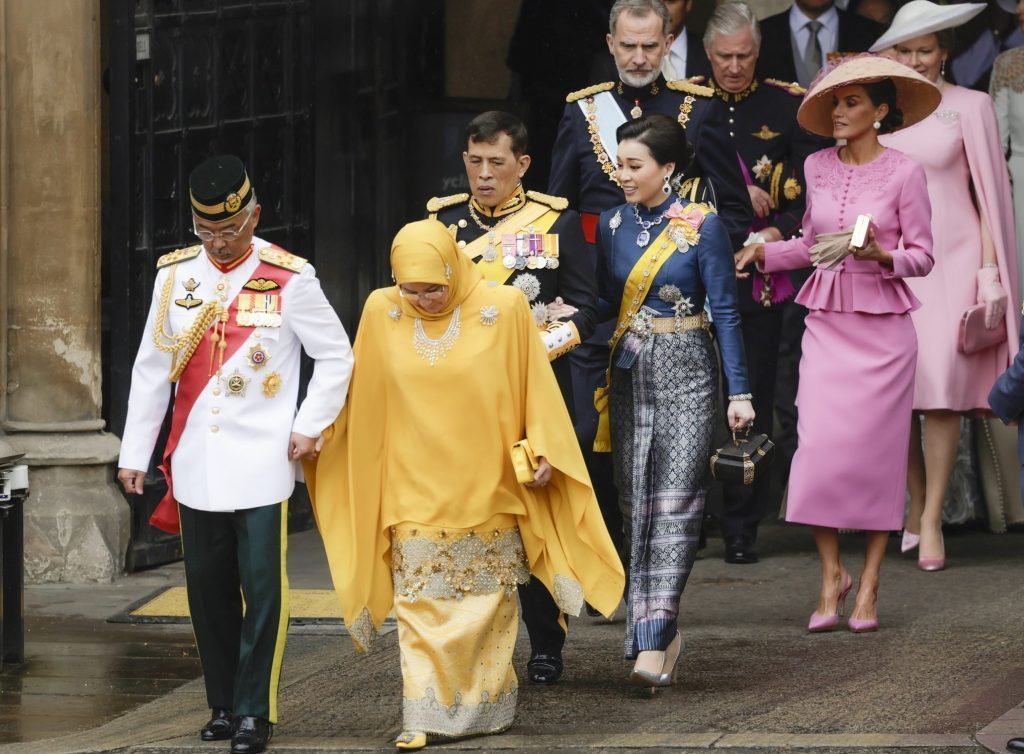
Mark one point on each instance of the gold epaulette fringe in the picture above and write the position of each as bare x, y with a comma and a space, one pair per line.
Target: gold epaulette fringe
173, 257
589, 91
555, 202
438, 203
790, 87
683, 85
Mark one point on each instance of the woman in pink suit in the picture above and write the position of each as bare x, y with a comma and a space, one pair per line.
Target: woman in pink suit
859, 348
975, 262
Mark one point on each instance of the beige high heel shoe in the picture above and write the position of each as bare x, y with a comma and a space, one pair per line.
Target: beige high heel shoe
669, 669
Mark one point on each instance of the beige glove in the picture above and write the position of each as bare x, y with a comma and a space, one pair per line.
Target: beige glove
830, 249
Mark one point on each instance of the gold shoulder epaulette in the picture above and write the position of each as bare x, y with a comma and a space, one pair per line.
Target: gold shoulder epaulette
790, 87
683, 85
555, 202
438, 203
283, 259
173, 257
589, 91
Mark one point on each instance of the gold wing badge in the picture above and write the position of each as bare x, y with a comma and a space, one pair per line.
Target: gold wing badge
189, 301
766, 134
261, 285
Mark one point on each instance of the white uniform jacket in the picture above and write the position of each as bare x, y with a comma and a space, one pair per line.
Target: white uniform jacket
233, 451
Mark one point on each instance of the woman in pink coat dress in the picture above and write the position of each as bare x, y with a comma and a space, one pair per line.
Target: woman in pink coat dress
859, 349
975, 262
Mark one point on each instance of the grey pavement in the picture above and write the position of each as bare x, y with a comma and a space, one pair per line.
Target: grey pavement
944, 674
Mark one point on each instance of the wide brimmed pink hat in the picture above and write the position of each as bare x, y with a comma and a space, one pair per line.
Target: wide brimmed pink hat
916, 96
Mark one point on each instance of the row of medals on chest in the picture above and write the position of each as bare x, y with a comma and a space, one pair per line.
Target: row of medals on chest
519, 251
261, 308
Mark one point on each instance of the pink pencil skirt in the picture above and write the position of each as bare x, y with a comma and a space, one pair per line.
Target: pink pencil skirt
855, 399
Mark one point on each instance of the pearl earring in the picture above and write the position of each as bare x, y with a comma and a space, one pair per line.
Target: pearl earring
877, 125
667, 188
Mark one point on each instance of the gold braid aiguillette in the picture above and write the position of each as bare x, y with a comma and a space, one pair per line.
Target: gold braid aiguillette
183, 345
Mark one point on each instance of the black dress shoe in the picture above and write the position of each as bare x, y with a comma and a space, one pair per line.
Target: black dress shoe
1015, 744
592, 611
544, 668
219, 727
738, 552
251, 735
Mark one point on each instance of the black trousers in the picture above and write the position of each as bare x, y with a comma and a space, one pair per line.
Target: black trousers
743, 506
231, 557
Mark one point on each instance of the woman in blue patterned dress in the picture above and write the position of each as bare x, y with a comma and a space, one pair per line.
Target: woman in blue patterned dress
659, 261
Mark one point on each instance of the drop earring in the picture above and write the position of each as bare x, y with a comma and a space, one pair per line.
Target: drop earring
667, 188
876, 125
942, 69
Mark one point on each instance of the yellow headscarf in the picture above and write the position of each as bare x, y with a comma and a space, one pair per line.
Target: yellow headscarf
425, 252
430, 443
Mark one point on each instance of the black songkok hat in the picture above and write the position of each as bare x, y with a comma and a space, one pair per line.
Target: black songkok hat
219, 188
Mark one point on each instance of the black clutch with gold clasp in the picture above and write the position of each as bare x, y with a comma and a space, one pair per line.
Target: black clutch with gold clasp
740, 461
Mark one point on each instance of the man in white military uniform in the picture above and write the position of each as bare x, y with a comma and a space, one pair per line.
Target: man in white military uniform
228, 322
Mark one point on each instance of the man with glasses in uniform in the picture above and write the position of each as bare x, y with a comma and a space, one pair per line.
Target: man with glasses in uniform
228, 322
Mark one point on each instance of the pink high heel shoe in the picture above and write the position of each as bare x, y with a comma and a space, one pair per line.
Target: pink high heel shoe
933, 564
820, 623
858, 626
910, 541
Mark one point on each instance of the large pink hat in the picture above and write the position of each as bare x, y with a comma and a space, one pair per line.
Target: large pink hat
916, 96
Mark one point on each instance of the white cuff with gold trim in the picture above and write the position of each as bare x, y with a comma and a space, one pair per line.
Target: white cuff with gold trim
559, 338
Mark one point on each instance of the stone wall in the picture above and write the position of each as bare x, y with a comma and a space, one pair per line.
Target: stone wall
76, 521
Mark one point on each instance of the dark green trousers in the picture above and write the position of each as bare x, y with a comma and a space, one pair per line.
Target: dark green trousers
237, 587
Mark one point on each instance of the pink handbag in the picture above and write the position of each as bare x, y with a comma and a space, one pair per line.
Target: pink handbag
974, 336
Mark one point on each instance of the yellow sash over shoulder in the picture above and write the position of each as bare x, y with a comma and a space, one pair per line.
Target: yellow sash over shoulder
633, 294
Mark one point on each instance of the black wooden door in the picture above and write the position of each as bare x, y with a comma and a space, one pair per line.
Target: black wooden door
186, 79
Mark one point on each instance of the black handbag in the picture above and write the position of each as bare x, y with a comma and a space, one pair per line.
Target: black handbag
740, 461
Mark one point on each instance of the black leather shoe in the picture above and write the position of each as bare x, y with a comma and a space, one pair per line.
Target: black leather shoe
738, 552
1015, 744
592, 611
251, 735
544, 668
219, 728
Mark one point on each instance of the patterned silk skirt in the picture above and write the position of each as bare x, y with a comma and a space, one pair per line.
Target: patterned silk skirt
455, 603
662, 425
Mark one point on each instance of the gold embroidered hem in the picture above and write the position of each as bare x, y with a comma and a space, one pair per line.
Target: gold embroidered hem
460, 718
457, 614
568, 595
449, 564
363, 632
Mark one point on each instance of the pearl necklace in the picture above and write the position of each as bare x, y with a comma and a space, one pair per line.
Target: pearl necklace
432, 349
644, 237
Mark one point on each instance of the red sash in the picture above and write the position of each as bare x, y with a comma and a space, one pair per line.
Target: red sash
194, 379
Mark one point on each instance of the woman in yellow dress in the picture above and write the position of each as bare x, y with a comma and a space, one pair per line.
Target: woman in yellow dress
417, 498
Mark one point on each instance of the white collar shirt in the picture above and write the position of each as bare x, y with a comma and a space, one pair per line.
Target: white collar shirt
828, 34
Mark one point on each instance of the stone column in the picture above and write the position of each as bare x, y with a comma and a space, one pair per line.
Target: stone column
76, 520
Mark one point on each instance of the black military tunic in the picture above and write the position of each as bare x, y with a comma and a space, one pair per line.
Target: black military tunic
771, 148
581, 171
571, 277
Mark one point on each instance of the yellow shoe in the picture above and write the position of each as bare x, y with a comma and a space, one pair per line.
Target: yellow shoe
411, 739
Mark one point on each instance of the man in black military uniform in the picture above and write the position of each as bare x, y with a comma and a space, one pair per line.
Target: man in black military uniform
583, 159
770, 149
583, 171
530, 241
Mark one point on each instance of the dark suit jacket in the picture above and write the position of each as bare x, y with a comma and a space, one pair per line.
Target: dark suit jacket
775, 61
1007, 399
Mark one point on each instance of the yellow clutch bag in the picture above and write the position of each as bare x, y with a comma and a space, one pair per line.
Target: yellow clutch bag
523, 461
